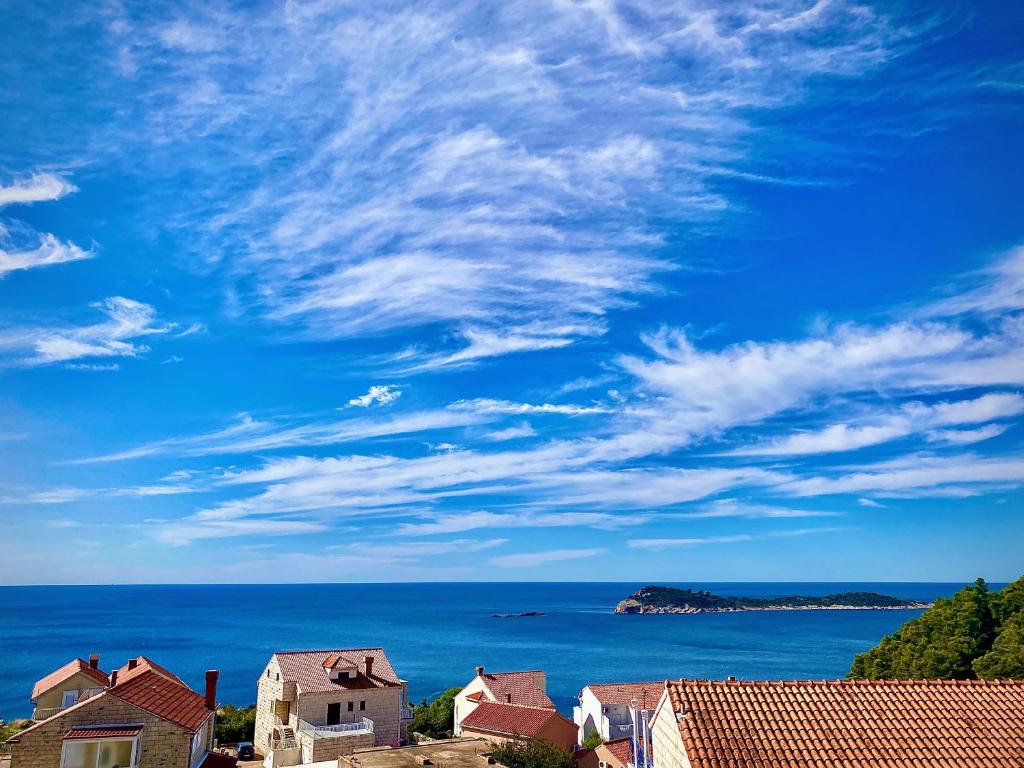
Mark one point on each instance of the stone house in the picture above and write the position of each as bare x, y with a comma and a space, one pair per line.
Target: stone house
316, 705
64, 687
145, 717
526, 688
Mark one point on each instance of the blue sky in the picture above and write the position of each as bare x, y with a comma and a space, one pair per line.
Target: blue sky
565, 290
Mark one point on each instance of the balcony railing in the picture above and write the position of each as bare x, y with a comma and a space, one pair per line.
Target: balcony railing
42, 713
359, 726
406, 713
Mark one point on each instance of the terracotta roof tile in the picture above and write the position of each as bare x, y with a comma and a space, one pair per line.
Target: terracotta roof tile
621, 749
143, 664
306, 669
854, 724
218, 760
103, 731
170, 700
509, 719
66, 672
525, 688
647, 694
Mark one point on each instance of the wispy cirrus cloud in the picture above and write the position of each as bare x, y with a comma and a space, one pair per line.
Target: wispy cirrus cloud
498, 175
534, 559
738, 538
23, 248
128, 322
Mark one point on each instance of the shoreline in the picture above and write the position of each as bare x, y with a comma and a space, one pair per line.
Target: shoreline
638, 609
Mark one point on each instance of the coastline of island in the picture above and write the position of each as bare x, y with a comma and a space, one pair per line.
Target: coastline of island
671, 600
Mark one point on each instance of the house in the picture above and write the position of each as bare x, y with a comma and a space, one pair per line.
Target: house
618, 710
142, 717
521, 688
316, 705
877, 723
617, 753
498, 723
63, 687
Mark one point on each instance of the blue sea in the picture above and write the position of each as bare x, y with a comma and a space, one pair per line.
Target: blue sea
434, 634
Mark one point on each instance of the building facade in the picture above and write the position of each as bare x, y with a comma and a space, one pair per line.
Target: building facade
316, 705
144, 718
526, 688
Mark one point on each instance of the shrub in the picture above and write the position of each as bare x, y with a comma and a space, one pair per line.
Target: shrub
235, 724
533, 753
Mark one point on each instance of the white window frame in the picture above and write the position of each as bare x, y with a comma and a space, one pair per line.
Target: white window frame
136, 743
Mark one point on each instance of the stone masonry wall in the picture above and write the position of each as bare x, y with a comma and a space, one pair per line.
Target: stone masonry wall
162, 744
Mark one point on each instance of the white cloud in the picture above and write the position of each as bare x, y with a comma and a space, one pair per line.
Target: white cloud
420, 549
739, 538
734, 508
37, 188
997, 289
912, 418
533, 559
379, 394
185, 532
127, 322
487, 406
511, 433
471, 521
49, 251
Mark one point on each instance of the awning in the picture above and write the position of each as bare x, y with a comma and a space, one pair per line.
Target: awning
103, 732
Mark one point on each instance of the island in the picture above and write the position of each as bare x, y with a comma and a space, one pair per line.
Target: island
654, 599
521, 615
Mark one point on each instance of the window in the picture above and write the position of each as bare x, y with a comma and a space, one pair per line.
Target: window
104, 753
362, 705
351, 706
268, 672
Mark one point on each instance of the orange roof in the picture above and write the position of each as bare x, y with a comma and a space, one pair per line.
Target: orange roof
621, 749
102, 731
308, 669
509, 719
877, 723
143, 664
647, 695
65, 673
165, 698
524, 688
475, 695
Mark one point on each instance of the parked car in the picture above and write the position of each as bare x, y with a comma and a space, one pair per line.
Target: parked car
245, 751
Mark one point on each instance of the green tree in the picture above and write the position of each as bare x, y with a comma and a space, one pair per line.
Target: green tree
592, 740
533, 753
976, 633
435, 719
235, 724
7, 730
1006, 659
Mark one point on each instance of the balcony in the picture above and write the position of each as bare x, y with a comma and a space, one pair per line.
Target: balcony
406, 714
357, 727
42, 713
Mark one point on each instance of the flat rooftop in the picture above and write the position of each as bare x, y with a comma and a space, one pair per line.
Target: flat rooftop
453, 753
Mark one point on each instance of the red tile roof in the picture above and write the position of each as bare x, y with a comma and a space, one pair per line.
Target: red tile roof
876, 723
621, 749
306, 669
65, 673
647, 695
142, 664
103, 731
525, 688
475, 695
170, 700
509, 719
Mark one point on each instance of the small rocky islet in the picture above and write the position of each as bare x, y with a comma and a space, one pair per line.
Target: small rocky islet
655, 599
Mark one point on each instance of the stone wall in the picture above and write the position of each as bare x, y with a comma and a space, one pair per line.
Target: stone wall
666, 742
383, 706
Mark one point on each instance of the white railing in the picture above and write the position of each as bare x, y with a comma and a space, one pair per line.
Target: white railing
406, 713
42, 713
362, 725
284, 743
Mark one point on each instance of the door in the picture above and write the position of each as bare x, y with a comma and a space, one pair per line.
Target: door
333, 714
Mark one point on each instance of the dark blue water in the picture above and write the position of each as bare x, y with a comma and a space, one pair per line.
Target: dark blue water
435, 634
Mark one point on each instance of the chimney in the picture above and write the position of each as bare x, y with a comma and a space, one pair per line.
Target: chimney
94, 661
731, 679
133, 663
368, 661
113, 678
211, 688
479, 671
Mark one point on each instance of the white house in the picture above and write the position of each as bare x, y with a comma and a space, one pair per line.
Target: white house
620, 711
525, 689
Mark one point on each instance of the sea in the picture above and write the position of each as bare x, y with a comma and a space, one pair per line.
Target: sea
434, 633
